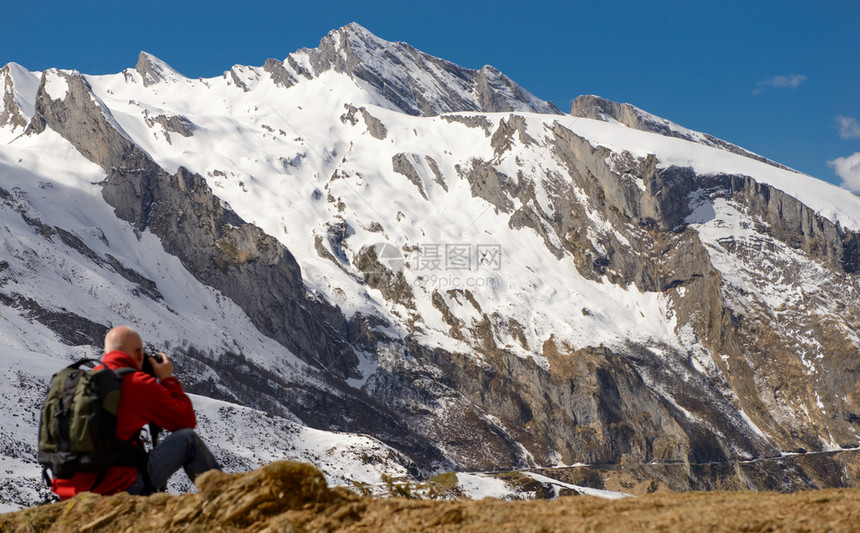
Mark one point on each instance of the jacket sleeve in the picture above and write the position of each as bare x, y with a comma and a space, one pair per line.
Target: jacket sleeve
166, 404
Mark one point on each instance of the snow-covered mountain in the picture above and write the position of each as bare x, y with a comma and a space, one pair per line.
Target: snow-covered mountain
363, 238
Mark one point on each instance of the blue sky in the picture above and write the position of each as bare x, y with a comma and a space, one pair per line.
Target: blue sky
780, 78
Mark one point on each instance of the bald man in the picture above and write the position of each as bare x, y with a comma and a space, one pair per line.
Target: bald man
144, 400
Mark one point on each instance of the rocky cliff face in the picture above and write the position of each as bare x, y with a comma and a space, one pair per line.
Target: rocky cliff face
11, 115
658, 247
222, 250
655, 247
590, 106
496, 289
12, 118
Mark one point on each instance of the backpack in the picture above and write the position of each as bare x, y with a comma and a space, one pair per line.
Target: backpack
77, 429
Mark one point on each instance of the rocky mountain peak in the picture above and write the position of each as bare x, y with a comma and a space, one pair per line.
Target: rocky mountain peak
10, 115
356, 31
154, 70
17, 86
597, 108
414, 82
355, 42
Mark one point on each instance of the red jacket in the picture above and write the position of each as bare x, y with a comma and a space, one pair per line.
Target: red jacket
143, 400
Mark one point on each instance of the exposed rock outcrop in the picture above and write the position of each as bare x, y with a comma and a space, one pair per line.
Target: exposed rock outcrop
471, 121
73, 329
793, 223
280, 75
590, 106
355, 51
173, 124
154, 70
402, 165
10, 114
375, 127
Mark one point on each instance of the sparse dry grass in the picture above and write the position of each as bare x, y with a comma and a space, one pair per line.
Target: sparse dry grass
288, 496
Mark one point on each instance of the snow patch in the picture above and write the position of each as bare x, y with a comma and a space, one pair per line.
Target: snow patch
586, 491
479, 486
56, 85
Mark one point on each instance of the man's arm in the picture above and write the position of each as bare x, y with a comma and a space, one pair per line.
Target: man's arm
166, 404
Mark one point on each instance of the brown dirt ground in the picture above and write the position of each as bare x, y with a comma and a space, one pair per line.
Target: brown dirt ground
288, 497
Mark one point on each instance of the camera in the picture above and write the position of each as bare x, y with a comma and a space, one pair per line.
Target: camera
147, 365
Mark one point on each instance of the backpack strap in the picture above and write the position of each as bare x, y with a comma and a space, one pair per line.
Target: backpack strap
46, 479
80, 362
63, 418
121, 372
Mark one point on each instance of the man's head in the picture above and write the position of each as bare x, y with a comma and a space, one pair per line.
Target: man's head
126, 340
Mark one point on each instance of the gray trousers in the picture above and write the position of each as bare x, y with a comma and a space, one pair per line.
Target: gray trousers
181, 449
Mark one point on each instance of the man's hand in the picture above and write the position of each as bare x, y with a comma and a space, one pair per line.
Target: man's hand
164, 369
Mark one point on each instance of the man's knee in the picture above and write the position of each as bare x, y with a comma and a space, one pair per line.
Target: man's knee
186, 434
181, 449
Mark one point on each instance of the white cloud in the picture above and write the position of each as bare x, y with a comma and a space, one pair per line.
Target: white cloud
780, 82
849, 128
848, 168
